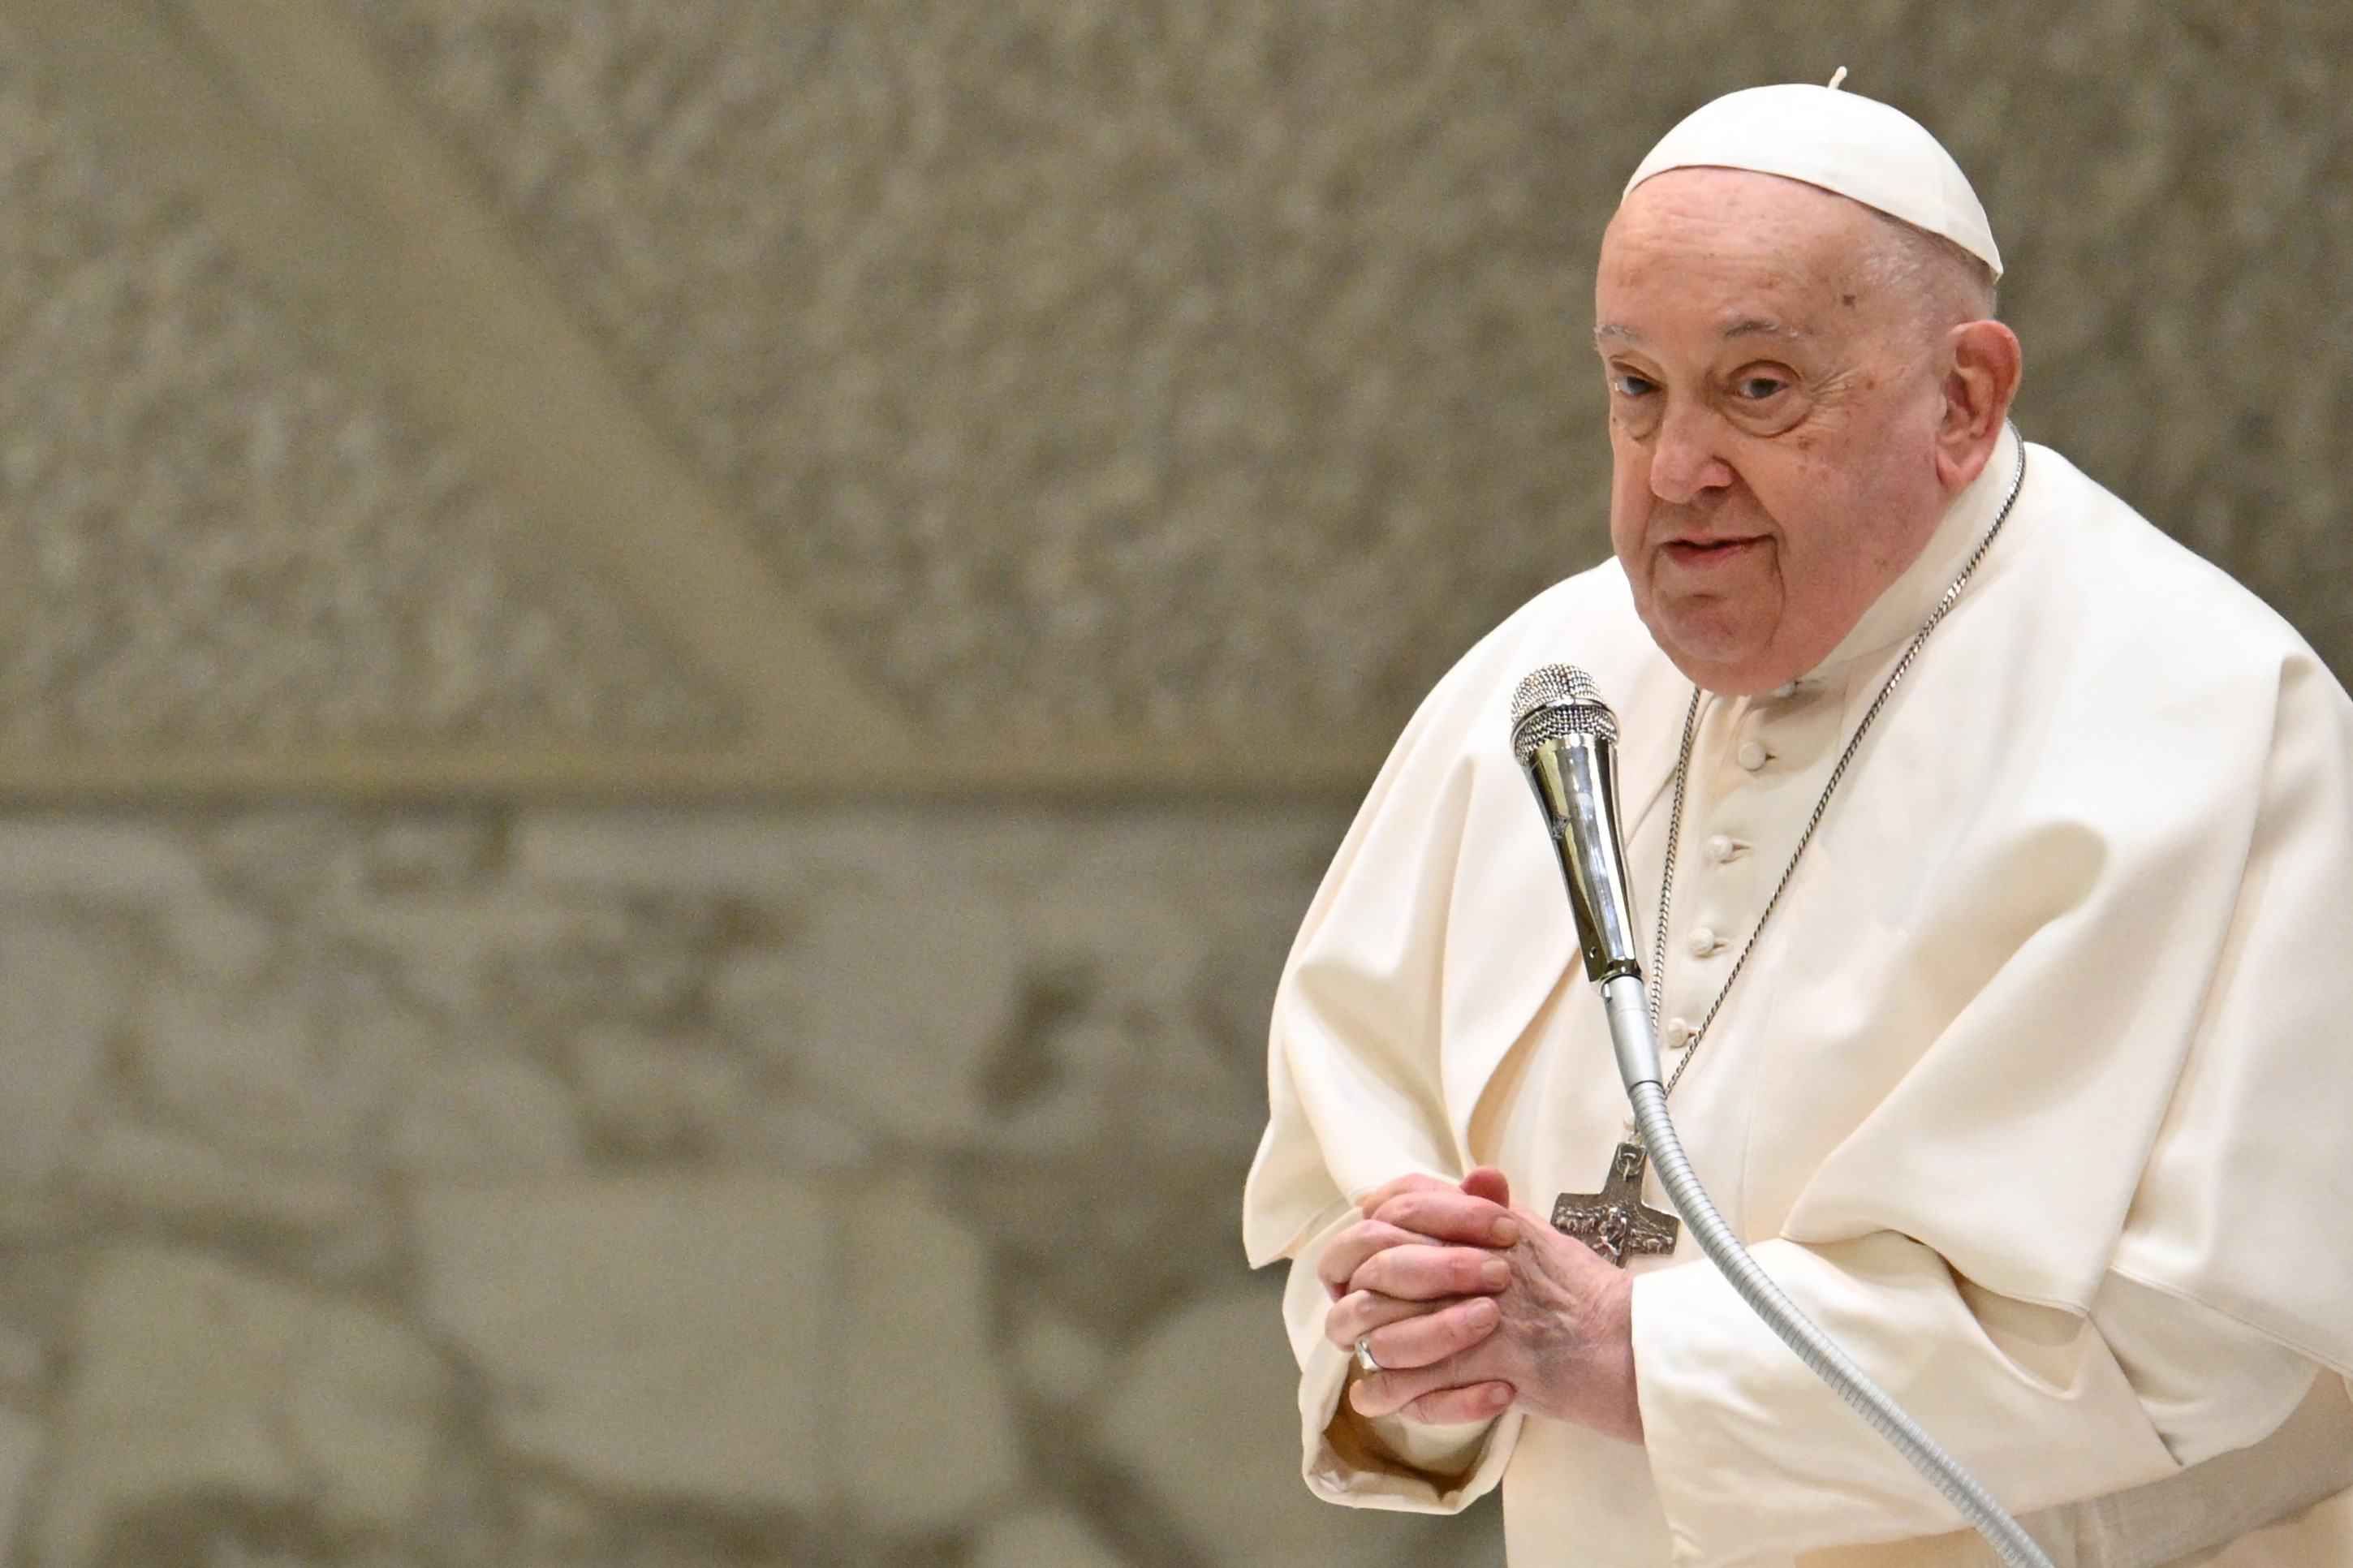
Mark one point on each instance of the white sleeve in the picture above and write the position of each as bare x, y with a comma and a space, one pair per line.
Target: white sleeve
1415, 1469
1753, 1455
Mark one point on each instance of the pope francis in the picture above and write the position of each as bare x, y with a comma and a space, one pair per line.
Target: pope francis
2003, 864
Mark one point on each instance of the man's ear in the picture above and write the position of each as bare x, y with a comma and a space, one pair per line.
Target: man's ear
1982, 366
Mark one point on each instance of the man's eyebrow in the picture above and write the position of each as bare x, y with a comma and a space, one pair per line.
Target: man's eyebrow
1756, 326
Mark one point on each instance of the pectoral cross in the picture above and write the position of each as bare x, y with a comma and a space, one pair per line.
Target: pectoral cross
1615, 1221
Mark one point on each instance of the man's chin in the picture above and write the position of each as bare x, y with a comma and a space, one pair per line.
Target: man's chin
1738, 670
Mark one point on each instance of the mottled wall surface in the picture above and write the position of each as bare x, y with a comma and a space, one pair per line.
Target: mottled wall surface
514, 1188
482, 1179
220, 534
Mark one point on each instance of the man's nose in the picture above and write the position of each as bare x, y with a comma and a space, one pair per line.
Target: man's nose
1685, 460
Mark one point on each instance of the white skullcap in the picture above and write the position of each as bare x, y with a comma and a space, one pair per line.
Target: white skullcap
1843, 141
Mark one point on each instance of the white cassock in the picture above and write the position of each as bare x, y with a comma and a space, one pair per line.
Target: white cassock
2037, 1092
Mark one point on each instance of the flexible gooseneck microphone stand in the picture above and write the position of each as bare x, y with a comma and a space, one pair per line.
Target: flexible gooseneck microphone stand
1566, 738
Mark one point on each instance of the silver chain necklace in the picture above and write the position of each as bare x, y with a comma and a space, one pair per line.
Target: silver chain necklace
1615, 1221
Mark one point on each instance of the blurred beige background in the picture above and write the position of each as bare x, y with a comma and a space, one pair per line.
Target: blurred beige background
672, 671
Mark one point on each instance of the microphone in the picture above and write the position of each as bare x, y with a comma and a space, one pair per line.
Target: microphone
1567, 739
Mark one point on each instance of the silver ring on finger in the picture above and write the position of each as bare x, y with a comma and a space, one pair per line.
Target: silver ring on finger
1364, 1362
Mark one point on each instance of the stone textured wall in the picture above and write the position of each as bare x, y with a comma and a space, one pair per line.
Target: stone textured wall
1052, 346
495, 1181
506, 1188
222, 536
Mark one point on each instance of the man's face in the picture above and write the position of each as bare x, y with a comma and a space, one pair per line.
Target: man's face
1772, 415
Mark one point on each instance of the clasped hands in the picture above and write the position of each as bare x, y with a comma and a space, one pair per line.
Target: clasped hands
1472, 1305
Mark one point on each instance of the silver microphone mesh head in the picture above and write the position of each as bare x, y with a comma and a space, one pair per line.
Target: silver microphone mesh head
1554, 701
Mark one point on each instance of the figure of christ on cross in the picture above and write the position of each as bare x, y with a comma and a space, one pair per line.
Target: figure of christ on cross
1615, 1221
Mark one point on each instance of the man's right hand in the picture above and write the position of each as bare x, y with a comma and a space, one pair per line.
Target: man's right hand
1443, 1280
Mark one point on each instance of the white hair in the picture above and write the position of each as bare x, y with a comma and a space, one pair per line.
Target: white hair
1950, 285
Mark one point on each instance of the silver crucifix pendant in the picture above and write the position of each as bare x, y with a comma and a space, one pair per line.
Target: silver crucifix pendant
1615, 1221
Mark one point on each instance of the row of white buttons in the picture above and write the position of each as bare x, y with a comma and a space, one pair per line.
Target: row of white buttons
1722, 848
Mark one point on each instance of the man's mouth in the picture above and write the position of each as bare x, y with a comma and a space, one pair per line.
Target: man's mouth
1704, 553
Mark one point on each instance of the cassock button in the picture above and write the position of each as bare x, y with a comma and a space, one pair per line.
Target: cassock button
1752, 755
1676, 1034
1722, 847
1703, 941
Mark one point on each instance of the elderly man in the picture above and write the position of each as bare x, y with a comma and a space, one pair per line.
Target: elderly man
2004, 859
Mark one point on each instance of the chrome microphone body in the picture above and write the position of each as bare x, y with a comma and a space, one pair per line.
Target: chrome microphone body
1567, 739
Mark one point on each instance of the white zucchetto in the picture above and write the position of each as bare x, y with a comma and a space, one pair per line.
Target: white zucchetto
1844, 143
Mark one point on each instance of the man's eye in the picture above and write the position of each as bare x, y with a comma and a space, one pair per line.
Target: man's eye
1626, 383
1758, 388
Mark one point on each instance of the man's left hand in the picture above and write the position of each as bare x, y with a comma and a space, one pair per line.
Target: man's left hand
1563, 1341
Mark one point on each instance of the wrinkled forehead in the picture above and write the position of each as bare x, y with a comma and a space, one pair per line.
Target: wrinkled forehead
1705, 233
